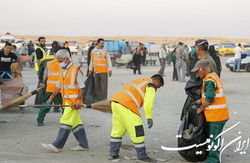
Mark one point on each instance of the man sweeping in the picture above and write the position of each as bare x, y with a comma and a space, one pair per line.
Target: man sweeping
125, 106
214, 105
72, 90
49, 70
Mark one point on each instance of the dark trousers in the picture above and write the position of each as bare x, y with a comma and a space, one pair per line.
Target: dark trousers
143, 60
175, 76
44, 110
137, 68
163, 64
101, 85
63, 134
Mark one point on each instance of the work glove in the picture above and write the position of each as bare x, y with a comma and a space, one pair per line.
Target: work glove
150, 123
195, 106
49, 102
42, 85
78, 104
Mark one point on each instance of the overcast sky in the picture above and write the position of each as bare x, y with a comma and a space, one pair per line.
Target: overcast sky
185, 18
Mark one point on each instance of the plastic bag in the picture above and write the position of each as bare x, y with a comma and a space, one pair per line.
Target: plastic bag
90, 96
192, 126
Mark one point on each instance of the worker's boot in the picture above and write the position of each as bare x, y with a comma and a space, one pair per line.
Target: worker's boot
56, 110
62, 136
115, 144
147, 159
40, 124
80, 135
142, 154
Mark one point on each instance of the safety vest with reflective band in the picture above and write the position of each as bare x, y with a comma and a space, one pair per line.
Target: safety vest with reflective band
44, 54
54, 72
218, 110
131, 95
100, 62
69, 86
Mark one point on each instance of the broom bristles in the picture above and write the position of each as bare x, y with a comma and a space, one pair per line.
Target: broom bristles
103, 106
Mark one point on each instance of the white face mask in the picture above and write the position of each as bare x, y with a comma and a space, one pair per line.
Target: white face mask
63, 65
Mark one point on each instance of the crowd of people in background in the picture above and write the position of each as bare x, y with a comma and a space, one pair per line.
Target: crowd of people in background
182, 57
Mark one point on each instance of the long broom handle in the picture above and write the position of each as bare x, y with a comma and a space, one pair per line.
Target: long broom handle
38, 106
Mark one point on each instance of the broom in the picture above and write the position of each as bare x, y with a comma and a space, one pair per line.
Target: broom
103, 106
19, 100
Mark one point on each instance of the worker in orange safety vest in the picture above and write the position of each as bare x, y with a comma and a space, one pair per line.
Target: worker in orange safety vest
126, 117
214, 105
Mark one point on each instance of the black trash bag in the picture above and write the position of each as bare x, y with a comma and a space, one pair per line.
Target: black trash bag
193, 91
131, 65
39, 99
89, 93
192, 127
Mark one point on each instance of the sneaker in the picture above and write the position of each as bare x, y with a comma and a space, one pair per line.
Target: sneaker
79, 148
40, 124
113, 157
56, 110
51, 148
147, 159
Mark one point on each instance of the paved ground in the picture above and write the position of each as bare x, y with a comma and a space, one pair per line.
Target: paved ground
20, 138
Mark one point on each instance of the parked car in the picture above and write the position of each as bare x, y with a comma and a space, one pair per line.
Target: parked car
6, 38
226, 49
154, 49
19, 43
245, 62
73, 46
48, 45
246, 46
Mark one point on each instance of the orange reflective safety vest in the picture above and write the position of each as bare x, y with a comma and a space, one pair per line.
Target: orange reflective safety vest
218, 110
69, 86
100, 62
54, 72
131, 95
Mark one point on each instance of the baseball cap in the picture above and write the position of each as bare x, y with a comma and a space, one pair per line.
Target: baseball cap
201, 42
200, 64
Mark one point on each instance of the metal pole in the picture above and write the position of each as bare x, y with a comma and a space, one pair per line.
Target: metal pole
38, 106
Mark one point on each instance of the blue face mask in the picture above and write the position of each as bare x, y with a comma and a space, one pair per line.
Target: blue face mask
63, 65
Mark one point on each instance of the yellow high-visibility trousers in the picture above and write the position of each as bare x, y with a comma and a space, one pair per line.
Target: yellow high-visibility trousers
71, 117
124, 120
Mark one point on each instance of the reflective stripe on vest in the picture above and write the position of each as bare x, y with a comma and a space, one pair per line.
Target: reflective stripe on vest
70, 96
218, 110
69, 87
216, 95
52, 82
100, 63
217, 106
44, 54
54, 71
53, 74
131, 95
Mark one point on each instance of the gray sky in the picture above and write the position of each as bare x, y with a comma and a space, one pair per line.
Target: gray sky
185, 18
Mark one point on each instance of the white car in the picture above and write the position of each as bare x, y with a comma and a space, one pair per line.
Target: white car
245, 62
48, 45
19, 43
7, 37
73, 46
